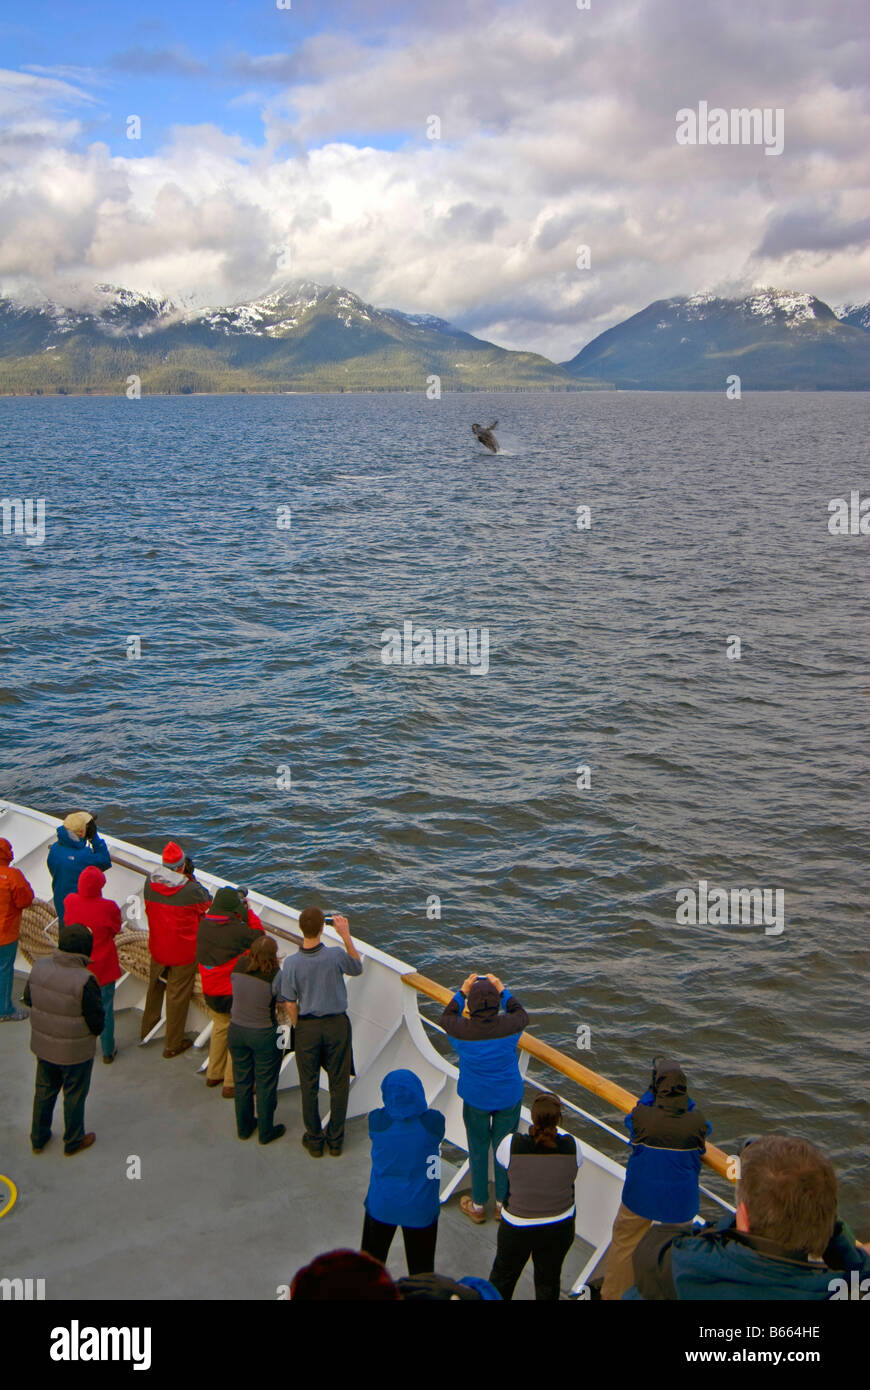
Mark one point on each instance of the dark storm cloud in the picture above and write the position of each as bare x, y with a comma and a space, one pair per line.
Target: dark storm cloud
812, 231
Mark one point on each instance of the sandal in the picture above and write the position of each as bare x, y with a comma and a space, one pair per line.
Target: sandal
475, 1213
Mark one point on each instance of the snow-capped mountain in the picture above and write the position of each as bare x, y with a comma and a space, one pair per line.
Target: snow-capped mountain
772, 339
298, 336
856, 315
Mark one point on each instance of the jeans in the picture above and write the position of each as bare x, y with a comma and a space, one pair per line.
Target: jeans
7, 967
107, 1037
377, 1237
256, 1064
485, 1130
548, 1245
75, 1080
324, 1042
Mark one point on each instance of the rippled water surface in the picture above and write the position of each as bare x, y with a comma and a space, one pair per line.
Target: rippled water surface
261, 648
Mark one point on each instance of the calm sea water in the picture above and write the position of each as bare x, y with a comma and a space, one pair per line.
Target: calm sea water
261, 650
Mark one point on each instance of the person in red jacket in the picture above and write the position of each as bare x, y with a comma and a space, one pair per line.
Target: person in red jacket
174, 903
15, 895
225, 933
88, 908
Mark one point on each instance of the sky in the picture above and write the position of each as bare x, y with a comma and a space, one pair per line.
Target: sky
296, 143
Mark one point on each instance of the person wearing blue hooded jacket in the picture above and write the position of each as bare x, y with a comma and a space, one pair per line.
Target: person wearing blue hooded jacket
77, 847
668, 1137
485, 1021
404, 1189
784, 1242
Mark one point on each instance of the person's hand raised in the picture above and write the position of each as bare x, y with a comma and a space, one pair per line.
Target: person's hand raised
467, 983
494, 980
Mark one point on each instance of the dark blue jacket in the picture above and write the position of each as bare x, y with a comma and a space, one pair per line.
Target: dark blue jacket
667, 1140
404, 1189
724, 1263
486, 1041
67, 858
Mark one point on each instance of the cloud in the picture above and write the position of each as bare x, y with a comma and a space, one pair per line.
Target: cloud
813, 230
557, 130
152, 62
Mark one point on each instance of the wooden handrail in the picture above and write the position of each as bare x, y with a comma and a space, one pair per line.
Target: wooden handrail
575, 1071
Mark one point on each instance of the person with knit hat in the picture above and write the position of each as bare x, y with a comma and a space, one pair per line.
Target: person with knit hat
15, 895
78, 845
485, 1021
65, 1021
668, 1136
174, 904
224, 934
102, 917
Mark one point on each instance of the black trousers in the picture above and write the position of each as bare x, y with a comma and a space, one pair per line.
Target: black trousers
377, 1237
256, 1064
324, 1042
547, 1245
75, 1081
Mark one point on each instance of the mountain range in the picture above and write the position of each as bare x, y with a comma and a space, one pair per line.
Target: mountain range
309, 337
774, 340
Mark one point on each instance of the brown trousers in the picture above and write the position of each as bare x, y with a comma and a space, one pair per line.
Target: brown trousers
178, 989
628, 1230
220, 1063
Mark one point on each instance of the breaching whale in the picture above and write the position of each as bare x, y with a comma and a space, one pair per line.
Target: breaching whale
486, 436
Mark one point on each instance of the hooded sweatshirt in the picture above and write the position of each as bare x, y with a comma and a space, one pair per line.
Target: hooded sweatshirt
67, 858
486, 1041
15, 895
724, 1263
406, 1135
668, 1136
174, 904
102, 917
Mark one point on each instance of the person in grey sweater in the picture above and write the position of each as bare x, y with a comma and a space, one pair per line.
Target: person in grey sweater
312, 983
66, 1019
253, 1040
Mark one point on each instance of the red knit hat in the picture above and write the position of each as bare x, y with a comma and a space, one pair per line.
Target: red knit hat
344, 1274
6, 854
173, 855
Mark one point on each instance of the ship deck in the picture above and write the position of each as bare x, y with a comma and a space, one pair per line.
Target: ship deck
210, 1217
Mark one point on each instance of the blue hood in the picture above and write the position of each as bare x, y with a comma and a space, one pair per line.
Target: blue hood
66, 838
403, 1095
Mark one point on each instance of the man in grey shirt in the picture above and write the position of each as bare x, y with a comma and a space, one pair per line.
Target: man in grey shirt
312, 984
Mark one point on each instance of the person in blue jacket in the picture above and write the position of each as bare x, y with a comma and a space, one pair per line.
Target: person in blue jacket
485, 1022
784, 1242
404, 1189
668, 1137
78, 846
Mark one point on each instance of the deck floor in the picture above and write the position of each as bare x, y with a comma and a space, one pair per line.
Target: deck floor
210, 1217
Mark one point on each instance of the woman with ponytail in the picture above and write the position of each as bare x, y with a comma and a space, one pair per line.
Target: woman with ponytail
537, 1219
253, 1042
